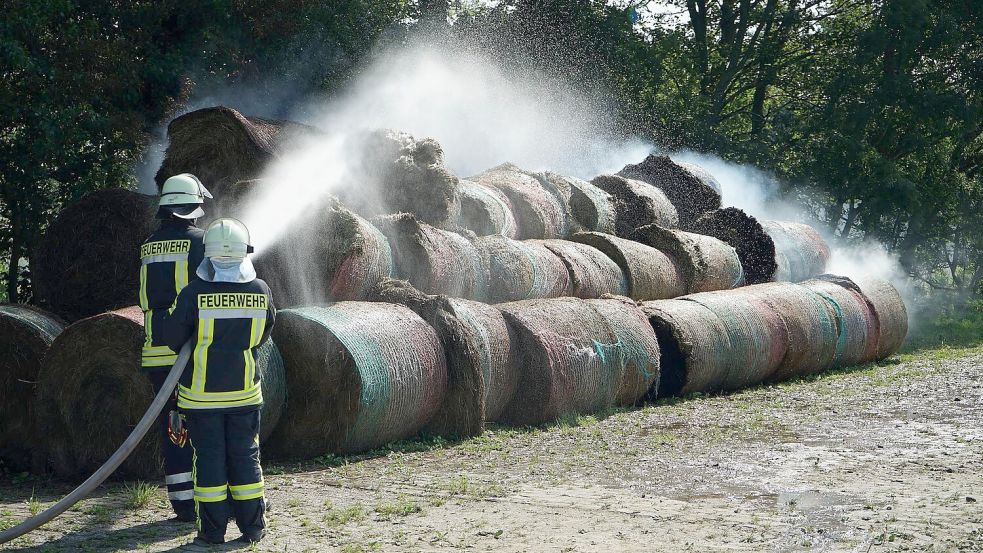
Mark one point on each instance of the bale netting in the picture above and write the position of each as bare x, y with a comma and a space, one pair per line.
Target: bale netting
398, 173
222, 147
649, 273
637, 346
91, 393
704, 262
358, 376
592, 274
329, 255
636, 204
800, 251
690, 189
892, 315
523, 269
538, 212
857, 324
754, 247
89, 258
484, 210
569, 359
695, 346
26, 334
591, 209
434, 260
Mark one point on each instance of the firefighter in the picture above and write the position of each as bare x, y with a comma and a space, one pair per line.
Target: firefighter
168, 259
226, 314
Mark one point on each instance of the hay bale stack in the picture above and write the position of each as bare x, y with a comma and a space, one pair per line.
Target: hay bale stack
538, 212
398, 173
706, 263
484, 210
892, 315
695, 346
329, 255
222, 147
649, 273
434, 260
26, 334
91, 393
571, 363
89, 258
857, 323
590, 208
800, 251
521, 270
637, 204
692, 190
592, 274
637, 346
358, 374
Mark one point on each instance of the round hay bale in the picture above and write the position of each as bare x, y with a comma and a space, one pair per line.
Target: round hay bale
520, 270
692, 190
26, 334
89, 257
269, 364
91, 393
590, 209
695, 346
538, 212
637, 204
358, 374
856, 318
755, 248
757, 336
329, 255
592, 274
571, 360
706, 263
434, 260
650, 274
800, 251
637, 345
892, 315
485, 210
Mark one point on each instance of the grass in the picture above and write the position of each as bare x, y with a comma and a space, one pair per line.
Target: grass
957, 328
400, 508
461, 485
335, 517
139, 494
34, 504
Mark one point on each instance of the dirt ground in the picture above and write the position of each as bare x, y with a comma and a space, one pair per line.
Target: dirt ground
872, 459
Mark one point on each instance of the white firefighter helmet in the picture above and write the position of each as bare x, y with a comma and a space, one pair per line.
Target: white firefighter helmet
182, 196
227, 238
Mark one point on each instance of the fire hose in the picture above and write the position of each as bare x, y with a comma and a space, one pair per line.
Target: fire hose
117, 458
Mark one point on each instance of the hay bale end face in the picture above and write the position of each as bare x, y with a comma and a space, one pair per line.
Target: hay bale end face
358, 374
637, 204
694, 343
434, 260
521, 270
538, 212
636, 344
89, 258
484, 210
330, 254
692, 190
745, 234
650, 274
26, 334
568, 360
592, 274
706, 263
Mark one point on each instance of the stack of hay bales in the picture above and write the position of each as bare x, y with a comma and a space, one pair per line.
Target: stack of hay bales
26, 334
690, 189
91, 392
359, 375
88, 261
331, 254
704, 262
769, 250
637, 203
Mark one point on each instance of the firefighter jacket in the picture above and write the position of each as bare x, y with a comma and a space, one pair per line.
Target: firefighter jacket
227, 322
168, 260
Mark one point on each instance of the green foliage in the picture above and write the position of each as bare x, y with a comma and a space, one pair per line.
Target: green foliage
960, 327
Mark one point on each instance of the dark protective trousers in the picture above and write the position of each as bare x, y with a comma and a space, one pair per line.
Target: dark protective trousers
177, 460
226, 464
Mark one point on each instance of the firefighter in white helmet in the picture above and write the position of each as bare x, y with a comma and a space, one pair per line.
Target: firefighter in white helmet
227, 314
168, 260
